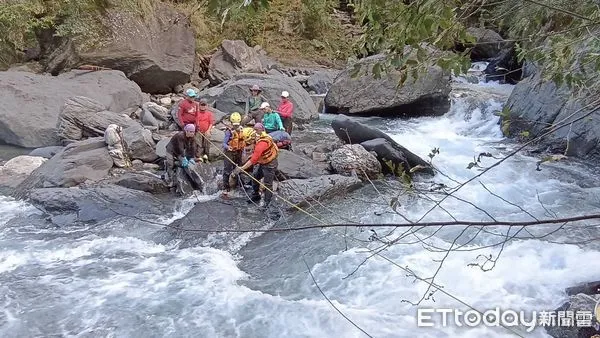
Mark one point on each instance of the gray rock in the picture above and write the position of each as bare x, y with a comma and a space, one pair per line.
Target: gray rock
303, 192
78, 162
534, 105
392, 160
231, 96
46, 152
234, 57
292, 165
139, 143
354, 158
141, 181
576, 303
489, 43
94, 204
83, 117
365, 95
321, 81
44, 96
15, 170
351, 131
161, 147
159, 112
149, 120
157, 54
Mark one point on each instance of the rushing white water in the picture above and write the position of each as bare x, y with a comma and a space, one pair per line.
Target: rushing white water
114, 280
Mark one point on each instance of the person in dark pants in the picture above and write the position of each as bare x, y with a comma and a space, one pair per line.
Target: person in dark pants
233, 145
182, 151
265, 158
286, 110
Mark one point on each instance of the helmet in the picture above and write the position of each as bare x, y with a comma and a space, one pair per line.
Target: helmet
255, 87
249, 134
190, 93
190, 128
285, 94
264, 105
235, 118
259, 127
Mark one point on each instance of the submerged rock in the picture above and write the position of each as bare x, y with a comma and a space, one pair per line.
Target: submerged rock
95, 203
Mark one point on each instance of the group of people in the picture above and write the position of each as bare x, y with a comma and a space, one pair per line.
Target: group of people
251, 143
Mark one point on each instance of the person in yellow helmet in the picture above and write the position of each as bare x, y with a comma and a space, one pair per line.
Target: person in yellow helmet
233, 145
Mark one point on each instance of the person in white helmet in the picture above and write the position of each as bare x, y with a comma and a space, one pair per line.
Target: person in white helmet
271, 119
286, 110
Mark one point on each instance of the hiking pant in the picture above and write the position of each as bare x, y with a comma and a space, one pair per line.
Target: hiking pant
287, 124
203, 142
228, 166
256, 115
266, 171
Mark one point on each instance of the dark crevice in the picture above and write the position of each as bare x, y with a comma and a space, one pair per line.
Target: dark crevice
431, 105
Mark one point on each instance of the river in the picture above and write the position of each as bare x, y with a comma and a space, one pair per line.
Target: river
117, 279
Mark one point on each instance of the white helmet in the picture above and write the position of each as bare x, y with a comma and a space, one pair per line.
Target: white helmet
285, 94
264, 105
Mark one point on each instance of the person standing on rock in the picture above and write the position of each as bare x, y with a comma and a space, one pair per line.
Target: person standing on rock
233, 145
253, 102
286, 110
271, 119
265, 157
182, 151
204, 124
188, 108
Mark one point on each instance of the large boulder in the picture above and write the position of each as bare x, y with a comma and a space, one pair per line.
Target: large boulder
234, 57
291, 165
303, 192
31, 104
366, 95
392, 160
351, 131
139, 143
488, 43
231, 96
15, 170
81, 161
95, 203
82, 117
353, 158
536, 105
157, 53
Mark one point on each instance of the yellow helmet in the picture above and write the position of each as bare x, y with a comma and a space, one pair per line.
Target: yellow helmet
249, 134
235, 118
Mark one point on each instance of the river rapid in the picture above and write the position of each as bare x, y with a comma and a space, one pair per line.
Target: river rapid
117, 279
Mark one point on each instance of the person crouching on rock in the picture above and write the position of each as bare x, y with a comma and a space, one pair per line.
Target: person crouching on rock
204, 124
271, 119
286, 110
282, 139
265, 157
182, 151
233, 145
253, 102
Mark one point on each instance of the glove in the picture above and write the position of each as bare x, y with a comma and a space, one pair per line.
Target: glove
185, 163
191, 162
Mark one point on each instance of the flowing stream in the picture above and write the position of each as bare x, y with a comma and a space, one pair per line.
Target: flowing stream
117, 280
